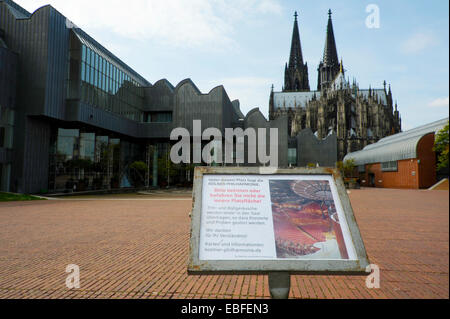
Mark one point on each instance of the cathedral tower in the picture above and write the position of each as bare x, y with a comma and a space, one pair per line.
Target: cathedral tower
330, 66
296, 73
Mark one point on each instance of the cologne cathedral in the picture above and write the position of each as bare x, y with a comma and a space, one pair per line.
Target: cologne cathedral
357, 117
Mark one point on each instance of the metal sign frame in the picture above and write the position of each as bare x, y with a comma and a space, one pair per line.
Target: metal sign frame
327, 267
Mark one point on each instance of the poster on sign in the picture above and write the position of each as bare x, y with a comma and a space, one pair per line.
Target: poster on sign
294, 218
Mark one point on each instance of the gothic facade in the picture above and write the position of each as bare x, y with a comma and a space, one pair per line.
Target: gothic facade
357, 116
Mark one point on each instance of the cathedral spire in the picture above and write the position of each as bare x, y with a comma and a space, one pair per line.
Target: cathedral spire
330, 56
296, 71
329, 67
296, 57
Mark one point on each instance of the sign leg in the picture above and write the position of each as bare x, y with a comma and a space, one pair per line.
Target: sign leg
279, 285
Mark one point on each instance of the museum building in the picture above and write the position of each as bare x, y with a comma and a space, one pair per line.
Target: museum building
76, 117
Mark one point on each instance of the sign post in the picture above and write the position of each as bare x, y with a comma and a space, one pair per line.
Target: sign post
279, 285
280, 223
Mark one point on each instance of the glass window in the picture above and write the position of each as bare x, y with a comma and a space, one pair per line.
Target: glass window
87, 146
389, 166
83, 53
160, 117
88, 53
96, 58
292, 156
83, 71
101, 149
67, 144
95, 78
91, 75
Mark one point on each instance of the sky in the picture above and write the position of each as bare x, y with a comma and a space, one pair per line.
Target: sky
244, 44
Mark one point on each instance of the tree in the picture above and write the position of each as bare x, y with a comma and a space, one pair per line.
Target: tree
346, 168
441, 147
137, 173
167, 170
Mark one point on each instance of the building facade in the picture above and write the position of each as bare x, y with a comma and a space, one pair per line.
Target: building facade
404, 160
81, 118
75, 117
8, 80
356, 116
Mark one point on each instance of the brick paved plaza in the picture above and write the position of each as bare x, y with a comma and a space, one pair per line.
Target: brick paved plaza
136, 246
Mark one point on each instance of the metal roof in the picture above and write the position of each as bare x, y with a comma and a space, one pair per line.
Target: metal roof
380, 93
300, 99
16, 10
395, 147
293, 99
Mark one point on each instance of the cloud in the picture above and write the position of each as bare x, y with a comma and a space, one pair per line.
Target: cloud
268, 6
439, 102
179, 23
418, 42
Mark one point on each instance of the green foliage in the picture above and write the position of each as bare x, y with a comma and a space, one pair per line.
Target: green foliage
346, 168
80, 164
441, 147
166, 167
137, 173
10, 197
340, 167
139, 166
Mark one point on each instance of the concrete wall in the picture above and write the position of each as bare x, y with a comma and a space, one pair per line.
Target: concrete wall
312, 150
255, 119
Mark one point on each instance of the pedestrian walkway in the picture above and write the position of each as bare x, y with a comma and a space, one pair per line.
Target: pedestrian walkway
132, 248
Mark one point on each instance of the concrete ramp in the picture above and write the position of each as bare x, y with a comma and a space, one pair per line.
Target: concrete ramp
441, 186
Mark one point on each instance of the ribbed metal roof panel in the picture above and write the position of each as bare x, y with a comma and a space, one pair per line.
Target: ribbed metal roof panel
396, 147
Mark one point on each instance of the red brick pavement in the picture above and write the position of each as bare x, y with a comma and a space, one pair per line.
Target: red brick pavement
138, 249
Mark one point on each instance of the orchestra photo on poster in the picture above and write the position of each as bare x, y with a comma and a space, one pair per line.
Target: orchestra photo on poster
306, 221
